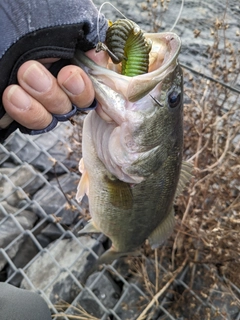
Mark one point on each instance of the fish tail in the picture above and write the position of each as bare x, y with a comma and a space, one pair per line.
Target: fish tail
110, 255
106, 258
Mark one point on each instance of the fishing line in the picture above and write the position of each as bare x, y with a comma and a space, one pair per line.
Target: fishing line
178, 17
99, 12
210, 78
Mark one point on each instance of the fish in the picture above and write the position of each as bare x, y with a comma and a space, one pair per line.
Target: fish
132, 149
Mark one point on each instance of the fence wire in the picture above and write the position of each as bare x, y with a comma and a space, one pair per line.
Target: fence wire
18, 198
41, 251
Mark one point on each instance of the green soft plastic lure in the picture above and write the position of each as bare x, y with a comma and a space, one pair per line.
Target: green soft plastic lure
125, 43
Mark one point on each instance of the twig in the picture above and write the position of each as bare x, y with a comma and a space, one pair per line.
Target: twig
183, 220
199, 151
194, 269
146, 279
59, 185
83, 314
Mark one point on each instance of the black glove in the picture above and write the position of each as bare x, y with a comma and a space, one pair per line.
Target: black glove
36, 29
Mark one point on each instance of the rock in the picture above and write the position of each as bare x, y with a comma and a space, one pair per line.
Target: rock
34, 149
24, 176
105, 290
43, 240
10, 230
7, 164
52, 232
50, 270
132, 304
52, 200
26, 252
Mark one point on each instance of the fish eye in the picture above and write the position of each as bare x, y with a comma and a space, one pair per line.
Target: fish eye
174, 98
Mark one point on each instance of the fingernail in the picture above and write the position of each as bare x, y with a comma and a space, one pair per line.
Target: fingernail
37, 79
74, 84
19, 98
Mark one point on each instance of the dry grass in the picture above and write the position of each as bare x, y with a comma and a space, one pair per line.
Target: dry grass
79, 312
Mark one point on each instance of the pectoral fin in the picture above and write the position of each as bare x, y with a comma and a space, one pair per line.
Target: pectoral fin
83, 186
120, 193
89, 228
81, 165
163, 231
185, 176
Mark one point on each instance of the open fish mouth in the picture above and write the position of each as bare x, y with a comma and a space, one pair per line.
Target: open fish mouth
162, 60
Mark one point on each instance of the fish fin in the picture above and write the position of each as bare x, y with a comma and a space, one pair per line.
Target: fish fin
83, 186
110, 255
81, 165
120, 193
185, 176
89, 228
162, 231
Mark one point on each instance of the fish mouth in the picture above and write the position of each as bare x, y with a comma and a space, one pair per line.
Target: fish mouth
165, 50
162, 61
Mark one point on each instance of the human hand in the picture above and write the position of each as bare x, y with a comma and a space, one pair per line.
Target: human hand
28, 39
39, 94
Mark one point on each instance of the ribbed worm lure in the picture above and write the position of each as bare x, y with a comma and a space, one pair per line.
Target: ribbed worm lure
125, 42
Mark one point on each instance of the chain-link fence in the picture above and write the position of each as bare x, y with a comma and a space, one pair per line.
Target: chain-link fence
40, 250
39, 221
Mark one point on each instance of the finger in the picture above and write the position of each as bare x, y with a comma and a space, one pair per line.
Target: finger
38, 82
77, 85
24, 109
101, 58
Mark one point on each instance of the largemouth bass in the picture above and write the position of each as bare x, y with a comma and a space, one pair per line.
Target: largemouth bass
132, 166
